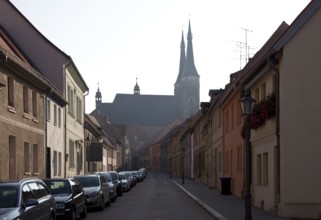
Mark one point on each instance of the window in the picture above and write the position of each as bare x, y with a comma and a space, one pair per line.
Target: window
226, 121
48, 110
219, 118
10, 92
79, 110
55, 114
265, 179
70, 101
259, 170
239, 114
226, 163
35, 159
55, 163
26, 157
12, 157
232, 117
59, 117
34, 104
25, 100
71, 154
26, 193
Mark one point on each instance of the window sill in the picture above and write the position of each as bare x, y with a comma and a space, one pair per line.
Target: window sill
26, 115
12, 109
36, 120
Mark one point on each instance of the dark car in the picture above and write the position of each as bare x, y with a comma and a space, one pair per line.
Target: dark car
96, 190
111, 184
69, 197
116, 180
26, 199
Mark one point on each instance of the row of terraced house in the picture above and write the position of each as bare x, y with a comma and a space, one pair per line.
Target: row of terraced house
284, 78
44, 130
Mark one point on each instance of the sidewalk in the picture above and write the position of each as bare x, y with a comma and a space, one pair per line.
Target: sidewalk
222, 207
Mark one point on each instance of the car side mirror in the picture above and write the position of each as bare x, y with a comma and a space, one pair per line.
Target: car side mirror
31, 202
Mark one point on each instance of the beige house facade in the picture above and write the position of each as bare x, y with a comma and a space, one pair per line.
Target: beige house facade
55, 138
75, 93
22, 114
300, 125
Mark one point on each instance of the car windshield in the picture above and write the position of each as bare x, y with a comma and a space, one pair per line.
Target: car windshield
58, 186
107, 176
113, 176
88, 181
8, 196
122, 176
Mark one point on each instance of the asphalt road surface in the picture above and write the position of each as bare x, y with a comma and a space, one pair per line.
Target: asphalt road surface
156, 198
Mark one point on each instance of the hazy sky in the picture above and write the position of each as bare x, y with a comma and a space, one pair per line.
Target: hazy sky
114, 41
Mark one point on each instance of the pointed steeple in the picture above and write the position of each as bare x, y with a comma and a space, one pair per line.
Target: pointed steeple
136, 88
190, 69
182, 60
98, 97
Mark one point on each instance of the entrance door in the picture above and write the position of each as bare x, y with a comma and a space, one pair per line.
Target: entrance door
12, 158
48, 167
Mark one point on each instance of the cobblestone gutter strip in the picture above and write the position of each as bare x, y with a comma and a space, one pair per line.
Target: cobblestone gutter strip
214, 213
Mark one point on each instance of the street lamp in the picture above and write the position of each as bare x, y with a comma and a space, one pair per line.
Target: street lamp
88, 143
183, 166
247, 103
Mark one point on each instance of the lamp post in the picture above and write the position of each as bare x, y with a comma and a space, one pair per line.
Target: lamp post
247, 103
88, 143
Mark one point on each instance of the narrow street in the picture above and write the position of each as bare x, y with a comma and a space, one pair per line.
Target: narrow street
155, 198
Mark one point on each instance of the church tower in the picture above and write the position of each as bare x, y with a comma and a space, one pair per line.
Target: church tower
187, 85
98, 97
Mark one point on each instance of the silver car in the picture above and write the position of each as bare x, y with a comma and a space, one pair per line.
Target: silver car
112, 185
96, 190
125, 182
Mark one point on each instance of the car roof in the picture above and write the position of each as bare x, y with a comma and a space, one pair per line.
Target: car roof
20, 180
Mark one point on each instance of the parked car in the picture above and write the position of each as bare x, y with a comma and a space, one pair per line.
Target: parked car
124, 181
116, 180
144, 171
96, 190
26, 199
131, 177
112, 185
69, 197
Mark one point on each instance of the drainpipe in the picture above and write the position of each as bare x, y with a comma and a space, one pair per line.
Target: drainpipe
47, 93
86, 93
277, 196
65, 122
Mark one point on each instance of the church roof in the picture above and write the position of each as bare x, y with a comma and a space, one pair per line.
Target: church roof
145, 110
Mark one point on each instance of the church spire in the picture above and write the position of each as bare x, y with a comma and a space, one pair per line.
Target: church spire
190, 69
98, 97
182, 60
136, 88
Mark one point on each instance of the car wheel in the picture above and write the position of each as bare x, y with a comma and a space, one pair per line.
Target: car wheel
102, 204
72, 215
52, 217
83, 214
